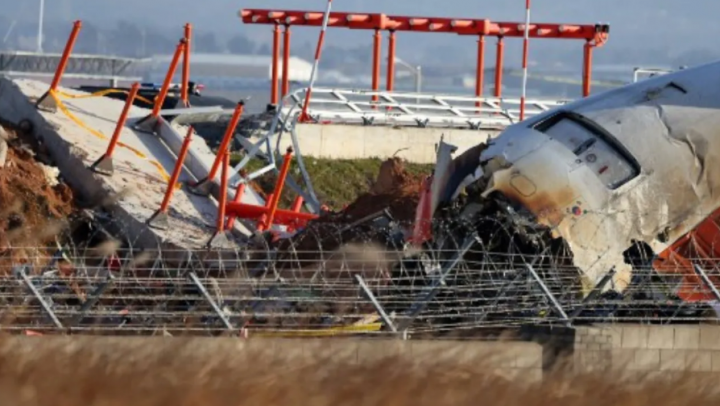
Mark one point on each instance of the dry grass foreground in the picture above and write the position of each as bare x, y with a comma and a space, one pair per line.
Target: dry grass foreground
178, 371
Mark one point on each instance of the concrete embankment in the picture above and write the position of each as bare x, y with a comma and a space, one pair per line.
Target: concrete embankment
417, 145
78, 135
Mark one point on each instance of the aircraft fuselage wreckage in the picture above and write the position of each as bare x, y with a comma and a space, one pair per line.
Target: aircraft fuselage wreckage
633, 165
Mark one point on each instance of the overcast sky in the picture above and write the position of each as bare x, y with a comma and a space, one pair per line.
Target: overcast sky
672, 25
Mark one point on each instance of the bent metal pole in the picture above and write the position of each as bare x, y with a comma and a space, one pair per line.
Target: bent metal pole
526, 44
318, 52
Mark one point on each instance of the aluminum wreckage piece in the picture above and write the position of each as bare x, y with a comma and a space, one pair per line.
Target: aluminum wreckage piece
633, 165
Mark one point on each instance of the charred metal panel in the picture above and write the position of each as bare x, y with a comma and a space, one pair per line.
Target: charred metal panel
639, 163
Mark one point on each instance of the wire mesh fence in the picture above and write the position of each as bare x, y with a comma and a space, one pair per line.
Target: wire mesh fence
332, 279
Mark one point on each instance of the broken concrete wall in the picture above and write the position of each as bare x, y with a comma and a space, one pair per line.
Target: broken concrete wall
73, 149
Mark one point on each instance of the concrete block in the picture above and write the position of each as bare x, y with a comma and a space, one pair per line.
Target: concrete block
709, 337
593, 347
622, 358
687, 337
634, 337
672, 360
137, 178
356, 141
646, 360
613, 334
698, 361
715, 360
661, 338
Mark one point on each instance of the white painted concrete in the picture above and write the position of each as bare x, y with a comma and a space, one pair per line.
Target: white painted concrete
416, 145
74, 149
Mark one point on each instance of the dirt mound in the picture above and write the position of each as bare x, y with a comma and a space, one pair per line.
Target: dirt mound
32, 201
394, 188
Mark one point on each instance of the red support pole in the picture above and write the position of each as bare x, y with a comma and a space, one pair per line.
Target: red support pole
480, 72
176, 171
377, 55
222, 200
239, 192
69, 45
275, 62
286, 62
123, 118
296, 207
104, 165
225, 143
168, 78
297, 204
391, 62
499, 66
587, 68
279, 187
186, 66
262, 221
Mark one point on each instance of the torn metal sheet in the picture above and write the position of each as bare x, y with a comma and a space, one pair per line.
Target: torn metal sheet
634, 164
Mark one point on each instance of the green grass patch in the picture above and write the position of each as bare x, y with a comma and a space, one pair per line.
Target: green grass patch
337, 182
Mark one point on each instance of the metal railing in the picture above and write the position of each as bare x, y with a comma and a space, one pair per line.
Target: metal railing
416, 109
83, 67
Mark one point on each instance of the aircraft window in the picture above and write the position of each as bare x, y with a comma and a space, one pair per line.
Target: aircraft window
596, 148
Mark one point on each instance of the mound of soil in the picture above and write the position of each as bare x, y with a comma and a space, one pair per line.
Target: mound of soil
394, 189
31, 200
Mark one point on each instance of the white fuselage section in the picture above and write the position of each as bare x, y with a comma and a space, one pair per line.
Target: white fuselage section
638, 163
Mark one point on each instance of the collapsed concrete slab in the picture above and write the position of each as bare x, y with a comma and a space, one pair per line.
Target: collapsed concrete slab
74, 138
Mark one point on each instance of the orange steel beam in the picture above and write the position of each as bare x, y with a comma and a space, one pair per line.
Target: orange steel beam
227, 138
177, 170
122, 119
587, 68
186, 66
282, 217
377, 55
277, 193
69, 45
314, 18
480, 69
222, 200
461, 26
286, 62
168, 78
391, 62
239, 192
275, 60
499, 66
